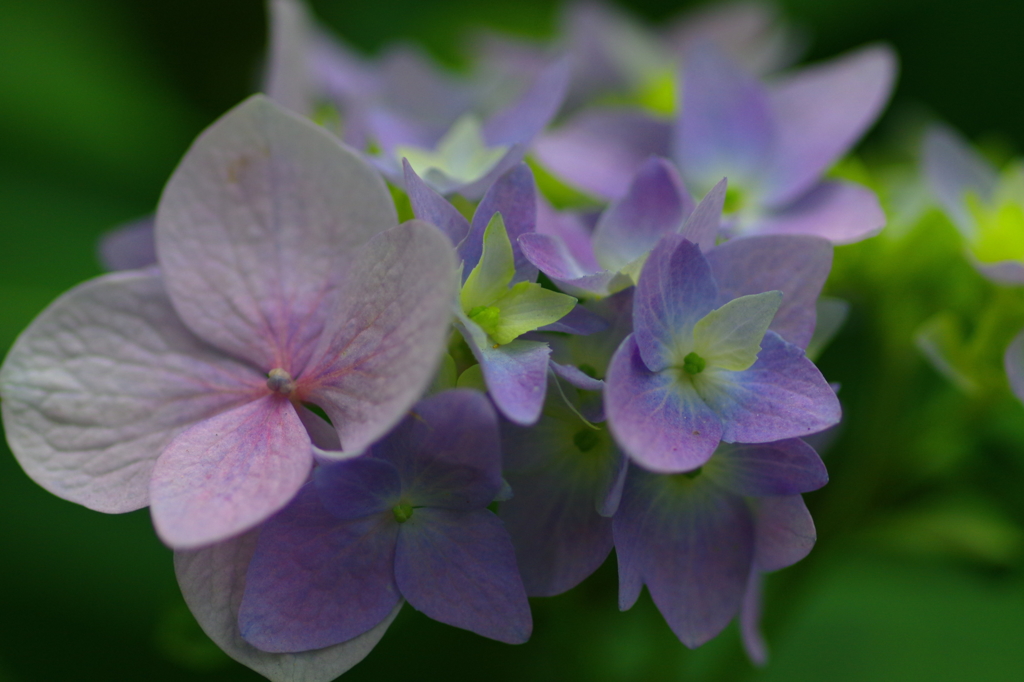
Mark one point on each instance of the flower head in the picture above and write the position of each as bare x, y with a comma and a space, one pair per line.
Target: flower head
283, 279
772, 141
693, 374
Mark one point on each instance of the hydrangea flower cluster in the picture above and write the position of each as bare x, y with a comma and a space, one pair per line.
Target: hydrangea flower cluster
331, 414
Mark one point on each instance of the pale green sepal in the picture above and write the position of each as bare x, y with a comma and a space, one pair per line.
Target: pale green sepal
631, 271
473, 378
492, 275
730, 337
461, 155
525, 307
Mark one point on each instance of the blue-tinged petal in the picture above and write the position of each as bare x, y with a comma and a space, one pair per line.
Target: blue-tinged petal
820, 112
784, 529
229, 473
726, 128
783, 395
129, 246
516, 373
600, 150
573, 229
358, 487
460, 568
702, 227
675, 290
953, 169
212, 581
514, 196
657, 417
796, 265
552, 256
447, 452
1013, 362
576, 377
529, 115
562, 472
785, 467
841, 212
256, 226
431, 207
750, 620
656, 204
315, 581
691, 543
100, 383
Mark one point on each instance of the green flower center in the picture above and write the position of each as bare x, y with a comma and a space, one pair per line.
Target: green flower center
694, 364
586, 439
402, 512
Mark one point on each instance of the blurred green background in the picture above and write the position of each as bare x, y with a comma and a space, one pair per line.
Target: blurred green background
918, 573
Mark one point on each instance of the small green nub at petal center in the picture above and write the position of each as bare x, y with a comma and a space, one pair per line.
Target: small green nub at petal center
694, 364
486, 316
280, 381
402, 512
586, 439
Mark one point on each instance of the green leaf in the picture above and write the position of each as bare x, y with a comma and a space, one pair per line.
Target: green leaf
525, 307
730, 337
490, 278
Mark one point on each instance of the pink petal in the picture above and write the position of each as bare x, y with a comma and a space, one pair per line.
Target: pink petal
227, 474
102, 380
255, 227
382, 346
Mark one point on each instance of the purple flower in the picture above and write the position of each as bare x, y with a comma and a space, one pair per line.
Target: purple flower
283, 279
566, 476
614, 56
407, 108
698, 540
696, 371
406, 521
773, 142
